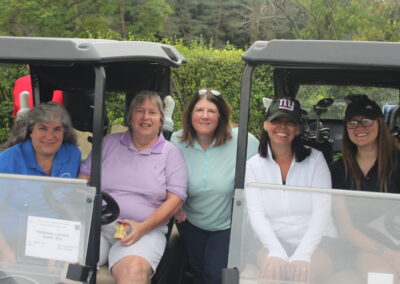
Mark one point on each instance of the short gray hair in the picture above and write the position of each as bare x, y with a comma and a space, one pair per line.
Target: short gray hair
44, 112
139, 99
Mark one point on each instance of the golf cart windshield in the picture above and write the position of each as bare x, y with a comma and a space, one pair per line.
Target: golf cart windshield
45, 225
375, 214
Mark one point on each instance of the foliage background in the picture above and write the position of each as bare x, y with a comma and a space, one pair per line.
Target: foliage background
211, 34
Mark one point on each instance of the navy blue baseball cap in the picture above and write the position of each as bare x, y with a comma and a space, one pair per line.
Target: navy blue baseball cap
284, 107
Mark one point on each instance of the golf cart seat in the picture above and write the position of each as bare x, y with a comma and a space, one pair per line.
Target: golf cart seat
393, 118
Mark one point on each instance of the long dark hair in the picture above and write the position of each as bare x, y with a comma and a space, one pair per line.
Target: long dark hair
299, 150
387, 157
223, 131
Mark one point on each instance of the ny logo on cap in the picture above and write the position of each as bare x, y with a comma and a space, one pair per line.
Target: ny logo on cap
286, 104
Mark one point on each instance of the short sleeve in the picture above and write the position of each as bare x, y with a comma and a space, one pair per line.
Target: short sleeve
176, 171
75, 159
5, 164
86, 166
9, 159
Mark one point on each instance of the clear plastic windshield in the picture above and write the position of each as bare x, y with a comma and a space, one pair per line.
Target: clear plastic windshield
283, 234
44, 226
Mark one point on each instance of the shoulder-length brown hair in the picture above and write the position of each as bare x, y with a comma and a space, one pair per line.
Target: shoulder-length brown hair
222, 133
387, 156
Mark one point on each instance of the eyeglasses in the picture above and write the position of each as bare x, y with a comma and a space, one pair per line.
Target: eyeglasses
353, 124
205, 91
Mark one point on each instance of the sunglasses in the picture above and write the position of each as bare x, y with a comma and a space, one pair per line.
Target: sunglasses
288, 122
205, 91
353, 124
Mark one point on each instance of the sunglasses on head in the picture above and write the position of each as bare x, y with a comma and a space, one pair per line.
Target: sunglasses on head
205, 91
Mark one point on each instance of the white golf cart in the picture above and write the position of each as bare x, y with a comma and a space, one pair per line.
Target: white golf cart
62, 246
319, 73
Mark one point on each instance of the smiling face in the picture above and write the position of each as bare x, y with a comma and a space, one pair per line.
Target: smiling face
146, 120
281, 131
363, 136
47, 138
205, 118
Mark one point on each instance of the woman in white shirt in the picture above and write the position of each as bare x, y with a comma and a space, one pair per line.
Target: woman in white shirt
289, 224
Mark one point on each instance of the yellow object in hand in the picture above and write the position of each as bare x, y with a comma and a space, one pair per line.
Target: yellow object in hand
120, 230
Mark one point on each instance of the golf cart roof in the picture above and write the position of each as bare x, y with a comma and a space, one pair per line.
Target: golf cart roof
324, 53
67, 63
72, 50
329, 62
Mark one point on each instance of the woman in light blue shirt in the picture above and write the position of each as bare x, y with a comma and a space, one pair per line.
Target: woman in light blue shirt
209, 146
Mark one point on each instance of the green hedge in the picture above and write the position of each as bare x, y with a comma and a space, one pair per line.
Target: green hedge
220, 69
8, 75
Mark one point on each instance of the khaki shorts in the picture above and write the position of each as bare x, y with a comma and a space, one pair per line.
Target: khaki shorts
151, 246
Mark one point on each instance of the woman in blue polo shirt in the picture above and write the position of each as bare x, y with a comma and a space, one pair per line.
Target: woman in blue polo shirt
42, 143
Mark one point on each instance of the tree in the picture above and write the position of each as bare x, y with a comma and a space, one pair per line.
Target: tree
63, 18
140, 17
258, 18
180, 23
384, 21
216, 21
83, 18
332, 19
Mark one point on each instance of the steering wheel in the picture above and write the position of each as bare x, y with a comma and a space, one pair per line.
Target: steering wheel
109, 209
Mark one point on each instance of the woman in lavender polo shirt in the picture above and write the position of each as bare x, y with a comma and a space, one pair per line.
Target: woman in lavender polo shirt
147, 177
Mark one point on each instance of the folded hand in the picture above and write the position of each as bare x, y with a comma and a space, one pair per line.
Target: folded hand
299, 271
180, 216
135, 232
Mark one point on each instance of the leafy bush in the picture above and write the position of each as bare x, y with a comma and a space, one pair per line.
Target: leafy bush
8, 75
7, 120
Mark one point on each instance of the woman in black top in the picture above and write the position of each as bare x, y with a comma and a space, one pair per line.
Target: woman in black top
370, 162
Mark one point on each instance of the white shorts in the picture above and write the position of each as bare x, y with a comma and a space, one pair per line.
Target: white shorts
151, 246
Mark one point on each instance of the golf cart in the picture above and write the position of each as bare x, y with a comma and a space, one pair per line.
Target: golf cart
63, 247
319, 74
